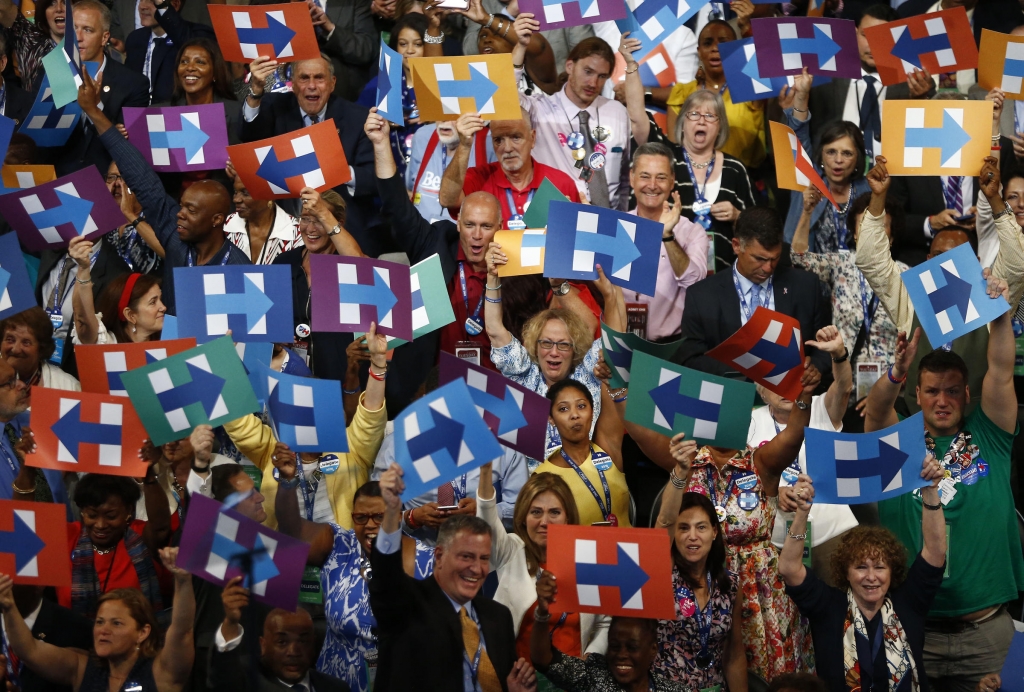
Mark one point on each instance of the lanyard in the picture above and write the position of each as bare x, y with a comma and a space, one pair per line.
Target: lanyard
703, 616
7, 456
748, 310
465, 293
697, 190
590, 486
839, 221
714, 493
428, 153
868, 308
459, 490
191, 258
475, 665
309, 494
512, 205
60, 287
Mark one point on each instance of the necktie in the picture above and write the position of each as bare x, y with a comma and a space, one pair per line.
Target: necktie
598, 183
870, 120
485, 674
314, 118
755, 298
954, 193
298, 687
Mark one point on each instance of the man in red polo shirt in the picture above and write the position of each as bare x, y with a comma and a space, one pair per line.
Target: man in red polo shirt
512, 179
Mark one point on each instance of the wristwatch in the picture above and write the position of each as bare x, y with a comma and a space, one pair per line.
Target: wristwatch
335, 231
562, 290
842, 359
200, 469
670, 238
253, 94
802, 405
1007, 211
286, 483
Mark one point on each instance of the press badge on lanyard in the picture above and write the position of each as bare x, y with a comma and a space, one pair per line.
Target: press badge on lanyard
516, 221
474, 325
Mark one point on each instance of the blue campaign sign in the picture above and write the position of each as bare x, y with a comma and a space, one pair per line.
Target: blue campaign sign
170, 330
48, 125
440, 437
254, 302
850, 468
253, 355
303, 411
16, 292
948, 294
389, 85
581, 236
1012, 676
653, 21
739, 61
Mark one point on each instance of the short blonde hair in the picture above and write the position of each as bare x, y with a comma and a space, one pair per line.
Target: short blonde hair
699, 98
579, 333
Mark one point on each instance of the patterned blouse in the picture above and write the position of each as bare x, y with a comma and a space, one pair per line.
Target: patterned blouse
29, 43
350, 623
284, 235
679, 639
591, 674
131, 247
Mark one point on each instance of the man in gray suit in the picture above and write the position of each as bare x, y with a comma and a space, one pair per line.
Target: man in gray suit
125, 16
347, 36
562, 40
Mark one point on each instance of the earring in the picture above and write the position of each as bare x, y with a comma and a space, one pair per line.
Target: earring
134, 329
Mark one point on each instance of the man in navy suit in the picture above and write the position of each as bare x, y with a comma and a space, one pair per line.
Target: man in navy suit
310, 101
153, 49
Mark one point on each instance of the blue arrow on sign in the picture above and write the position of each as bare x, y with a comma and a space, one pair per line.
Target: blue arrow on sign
623, 250
784, 358
72, 431
626, 575
5, 278
22, 542
277, 172
951, 138
379, 295
478, 87
255, 304
534, 240
205, 388
821, 45
620, 359
276, 34
750, 69
290, 414
263, 567
505, 408
956, 293
383, 78
73, 210
189, 137
446, 434
909, 49
670, 402
886, 465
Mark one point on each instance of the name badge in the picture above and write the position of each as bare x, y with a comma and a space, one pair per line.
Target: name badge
747, 482
748, 501
701, 208
602, 463
56, 318
329, 463
58, 352
468, 351
790, 476
473, 327
516, 223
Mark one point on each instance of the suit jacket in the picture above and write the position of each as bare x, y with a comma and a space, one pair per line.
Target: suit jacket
419, 634
165, 50
122, 16
121, 87
828, 100
996, 15
921, 197
712, 314
19, 103
353, 46
229, 670
280, 114
61, 627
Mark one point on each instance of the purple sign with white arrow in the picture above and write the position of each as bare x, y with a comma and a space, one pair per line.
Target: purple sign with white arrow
786, 45
348, 293
180, 138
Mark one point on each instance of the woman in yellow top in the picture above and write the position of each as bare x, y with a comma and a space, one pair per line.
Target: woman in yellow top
328, 479
591, 469
746, 120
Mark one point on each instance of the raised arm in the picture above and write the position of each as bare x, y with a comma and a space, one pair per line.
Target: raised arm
933, 520
496, 331
58, 665
878, 410
541, 648
791, 558
158, 510
173, 665
634, 89
837, 397
286, 507
86, 324
608, 431
344, 243
683, 452
450, 194
998, 397
778, 453
808, 201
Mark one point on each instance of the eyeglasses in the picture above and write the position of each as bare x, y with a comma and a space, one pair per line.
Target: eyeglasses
306, 222
362, 519
11, 383
548, 344
111, 179
694, 116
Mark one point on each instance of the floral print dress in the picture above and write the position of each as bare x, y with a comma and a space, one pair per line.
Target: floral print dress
350, 622
679, 639
776, 638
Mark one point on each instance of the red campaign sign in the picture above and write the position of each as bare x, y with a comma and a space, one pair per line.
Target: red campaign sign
769, 350
86, 433
281, 32
938, 42
612, 571
34, 543
100, 366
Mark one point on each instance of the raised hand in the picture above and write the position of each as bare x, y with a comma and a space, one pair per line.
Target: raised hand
285, 461
995, 286
811, 377
169, 558
547, 589
80, 249
202, 443
377, 128
467, 126
905, 353
392, 486
920, 83
684, 451
931, 471
234, 597
377, 346
878, 177
671, 210
130, 205
989, 178
259, 69
828, 339
525, 26
495, 258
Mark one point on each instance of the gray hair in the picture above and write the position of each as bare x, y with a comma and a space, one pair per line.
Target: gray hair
323, 56
105, 16
452, 526
653, 149
699, 98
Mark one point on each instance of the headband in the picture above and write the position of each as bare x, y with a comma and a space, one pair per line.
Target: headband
126, 295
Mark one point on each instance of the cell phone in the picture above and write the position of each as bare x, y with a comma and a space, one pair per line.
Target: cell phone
601, 523
965, 217
448, 508
454, 4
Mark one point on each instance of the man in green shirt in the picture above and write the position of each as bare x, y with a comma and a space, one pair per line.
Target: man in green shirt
968, 631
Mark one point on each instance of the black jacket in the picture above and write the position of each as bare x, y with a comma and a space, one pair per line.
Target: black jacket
61, 627
353, 47
230, 670
19, 103
165, 50
921, 197
419, 633
712, 314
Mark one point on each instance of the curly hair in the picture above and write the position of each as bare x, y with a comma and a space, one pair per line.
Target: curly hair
142, 613
580, 335
538, 484
36, 321
872, 542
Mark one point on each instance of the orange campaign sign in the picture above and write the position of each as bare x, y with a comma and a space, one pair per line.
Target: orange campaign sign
100, 366
86, 433
448, 87
281, 32
279, 167
793, 167
1001, 64
936, 137
23, 177
524, 250
938, 42
34, 543
612, 571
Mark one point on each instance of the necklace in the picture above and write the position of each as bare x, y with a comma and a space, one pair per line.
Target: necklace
702, 165
102, 551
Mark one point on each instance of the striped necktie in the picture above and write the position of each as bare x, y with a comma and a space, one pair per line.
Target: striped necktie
485, 674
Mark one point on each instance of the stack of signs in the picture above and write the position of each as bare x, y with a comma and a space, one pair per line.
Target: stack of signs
100, 366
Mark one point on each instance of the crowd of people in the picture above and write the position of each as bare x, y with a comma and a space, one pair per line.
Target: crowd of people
451, 590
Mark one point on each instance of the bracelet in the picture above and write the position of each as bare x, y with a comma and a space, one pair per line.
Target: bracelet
350, 391
799, 110
492, 300
494, 288
846, 354
668, 238
541, 618
618, 392
633, 71
677, 482
1005, 212
409, 521
518, 67
893, 379
620, 399
934, 508
435, 40
19, 491
507, 27
137, 221
995, 138
381, 376
83, 282
996, 149
490, 18
798, 536
198, 469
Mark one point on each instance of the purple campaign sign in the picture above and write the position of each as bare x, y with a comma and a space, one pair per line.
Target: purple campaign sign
214, 540
348, 293
180, 138
561, 14
517, 416
47, 216
786, 45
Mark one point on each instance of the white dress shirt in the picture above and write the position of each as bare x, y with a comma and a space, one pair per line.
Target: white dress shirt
855, 97
746, 285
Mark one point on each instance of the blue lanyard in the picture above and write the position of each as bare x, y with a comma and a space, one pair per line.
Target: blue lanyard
868, 308
475, 665
748, 310
697, 191
839, 221
590, 486
308, 495
703, 616
714, 493
459, 490
227, 255
465, 293
57, 285
7, 456
513, 209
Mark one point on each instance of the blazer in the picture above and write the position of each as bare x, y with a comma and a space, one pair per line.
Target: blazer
61, 627
280, 114
352, 46
827, 102
165, 50
712, 315
921, 196
121, 87
19, 103
419, 633
229, 670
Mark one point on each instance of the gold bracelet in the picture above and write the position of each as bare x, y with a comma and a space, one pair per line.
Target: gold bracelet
634, 69
19, 491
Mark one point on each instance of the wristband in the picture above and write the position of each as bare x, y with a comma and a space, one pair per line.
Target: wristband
410, 522
934, 508
492, 300
893, 379
350, 391
842, 359
381, 376
198, 469
138, 219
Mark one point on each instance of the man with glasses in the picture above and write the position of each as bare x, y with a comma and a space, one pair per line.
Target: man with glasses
135, 241
17, 481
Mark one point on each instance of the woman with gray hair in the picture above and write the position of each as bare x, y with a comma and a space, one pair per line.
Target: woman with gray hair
713, 186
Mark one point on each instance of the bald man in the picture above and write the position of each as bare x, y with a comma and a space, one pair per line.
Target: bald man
192, 232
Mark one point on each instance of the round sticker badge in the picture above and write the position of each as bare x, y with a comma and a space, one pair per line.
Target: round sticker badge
302, 330
747, 482
576, 141
596, 161
603, 464
329, 463
687, 607
748, 501
790, 475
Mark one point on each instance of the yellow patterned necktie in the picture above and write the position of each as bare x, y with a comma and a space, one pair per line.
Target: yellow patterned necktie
485, 674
